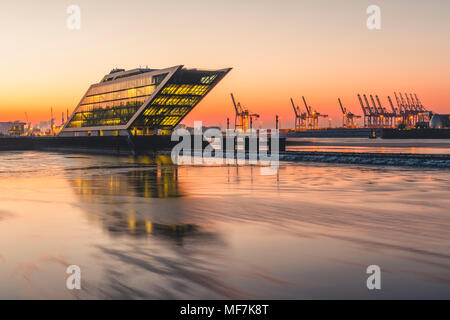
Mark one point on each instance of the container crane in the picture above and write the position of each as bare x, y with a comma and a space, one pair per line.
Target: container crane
410, 113
413, 102
422, 108
313, 116
424, 115
410, 103
366, 112
386, 116
243, 118
395, 112
379, 113
401, 109
300, 118
347, 117
373, 117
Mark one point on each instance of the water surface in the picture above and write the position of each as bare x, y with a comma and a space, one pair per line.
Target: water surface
366, 145
141, 227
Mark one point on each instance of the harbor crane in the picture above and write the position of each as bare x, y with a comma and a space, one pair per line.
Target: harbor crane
386, 117
409, 113
379, 112
300, 118
420, 103
410, 104
394, 109
373, 113
400, 106
313, 116
410, 110
348, 118
244, 118
395, 112
366, 112
423, 113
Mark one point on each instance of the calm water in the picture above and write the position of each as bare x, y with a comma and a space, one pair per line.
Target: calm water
144, 228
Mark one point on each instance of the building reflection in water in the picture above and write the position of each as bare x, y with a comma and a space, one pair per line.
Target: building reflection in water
142, 198
138, 198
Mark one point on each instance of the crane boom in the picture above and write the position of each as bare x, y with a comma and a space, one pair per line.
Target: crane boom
405, 106
413, 103
379, 104
419, 103
410, 105
392, 105
306, 106
399, 104
344, 111
234, 103
368, 105
374, 105
362, 105
295, 109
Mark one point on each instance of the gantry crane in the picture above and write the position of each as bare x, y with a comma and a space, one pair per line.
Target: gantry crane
244, 118
313, 116
420, 103
396, 112
300, 118
411, 110
379, 113
348, 118
386, 117
410, 116
373, 113
401, 109
366, 112
423, 114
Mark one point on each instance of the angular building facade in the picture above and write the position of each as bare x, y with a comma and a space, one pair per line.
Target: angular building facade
140, 101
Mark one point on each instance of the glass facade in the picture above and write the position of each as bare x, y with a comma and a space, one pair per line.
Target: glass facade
116, 100
113, 103
178, 97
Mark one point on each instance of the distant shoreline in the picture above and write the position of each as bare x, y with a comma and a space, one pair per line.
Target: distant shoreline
387, 159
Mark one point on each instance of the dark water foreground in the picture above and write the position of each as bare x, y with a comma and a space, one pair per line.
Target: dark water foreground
140, 227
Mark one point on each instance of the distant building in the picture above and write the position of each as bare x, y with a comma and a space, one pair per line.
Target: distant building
440, 121
44, 125
12, 128
140, 101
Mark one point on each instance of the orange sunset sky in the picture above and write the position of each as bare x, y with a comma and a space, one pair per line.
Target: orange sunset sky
278, 49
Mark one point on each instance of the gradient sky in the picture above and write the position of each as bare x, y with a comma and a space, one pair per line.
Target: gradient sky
278, 49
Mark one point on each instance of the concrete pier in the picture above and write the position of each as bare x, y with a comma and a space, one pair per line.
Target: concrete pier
114, 145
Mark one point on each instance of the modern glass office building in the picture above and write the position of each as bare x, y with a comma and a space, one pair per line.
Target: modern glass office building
140, 101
